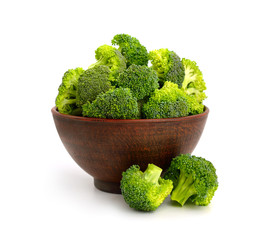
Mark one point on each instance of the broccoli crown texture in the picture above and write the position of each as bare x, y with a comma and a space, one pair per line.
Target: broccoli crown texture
168, 66
130, 47
145, 191
141, 80
111, 57
91, 83
193, 106
168, 102
194, 179
193, 83
116, 103
66, 98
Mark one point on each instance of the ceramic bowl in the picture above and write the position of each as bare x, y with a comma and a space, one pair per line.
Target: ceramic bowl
104, 148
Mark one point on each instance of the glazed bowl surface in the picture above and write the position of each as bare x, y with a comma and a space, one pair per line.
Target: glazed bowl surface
104, 148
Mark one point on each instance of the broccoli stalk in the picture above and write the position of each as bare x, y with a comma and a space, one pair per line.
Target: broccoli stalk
194, 179
152, 173
185, 188
145, 191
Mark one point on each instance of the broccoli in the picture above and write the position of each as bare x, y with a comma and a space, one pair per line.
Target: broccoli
194, 179
66, 98
193, 83
144, 191
141, 103
116, 103
91, 83
194, 107
130, 47
168, 102
141, 80
111, 57
168, 66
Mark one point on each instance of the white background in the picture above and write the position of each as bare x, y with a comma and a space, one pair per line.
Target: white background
45, 195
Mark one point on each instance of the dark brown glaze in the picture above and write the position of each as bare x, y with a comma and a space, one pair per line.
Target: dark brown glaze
104, 148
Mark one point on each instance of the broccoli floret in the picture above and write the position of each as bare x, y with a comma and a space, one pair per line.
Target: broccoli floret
145, 191
66, 98
168, 102
193, 83
168, 66
141, 80
116, 103
194, 179
194, 107
111, 57
91, 83
132, 49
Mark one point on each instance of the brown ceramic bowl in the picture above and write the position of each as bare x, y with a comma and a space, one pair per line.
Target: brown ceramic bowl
104, 148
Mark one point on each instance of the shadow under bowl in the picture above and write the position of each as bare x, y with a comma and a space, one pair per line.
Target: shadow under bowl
104, 148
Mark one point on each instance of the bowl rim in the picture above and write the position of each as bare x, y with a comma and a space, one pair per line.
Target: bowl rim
55, 112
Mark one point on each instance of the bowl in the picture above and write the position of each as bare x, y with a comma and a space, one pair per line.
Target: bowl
104, 148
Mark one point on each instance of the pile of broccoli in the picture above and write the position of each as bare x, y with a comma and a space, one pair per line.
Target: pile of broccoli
128, 82
188, 179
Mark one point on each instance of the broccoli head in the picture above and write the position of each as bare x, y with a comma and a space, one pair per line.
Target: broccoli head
93, 82
193, 83
131, 48
194, 179
141, 80
111, 57
168, 66
168, 102
145, 191
116, 103
66, 98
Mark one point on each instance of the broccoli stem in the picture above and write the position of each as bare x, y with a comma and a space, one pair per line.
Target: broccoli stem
101, 61
187, 80
68, 101
190, 91
77, 112
185, 188
152, 173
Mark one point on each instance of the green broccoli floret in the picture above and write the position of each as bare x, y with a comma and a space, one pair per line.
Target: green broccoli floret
141, 80
168, 66
91, 83
194, 179
66, 98
168, 102
194, 107
111, 57
145, 191
132, 49
193, 83
115, 103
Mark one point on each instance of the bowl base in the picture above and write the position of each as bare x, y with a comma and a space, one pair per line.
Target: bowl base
110, 187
